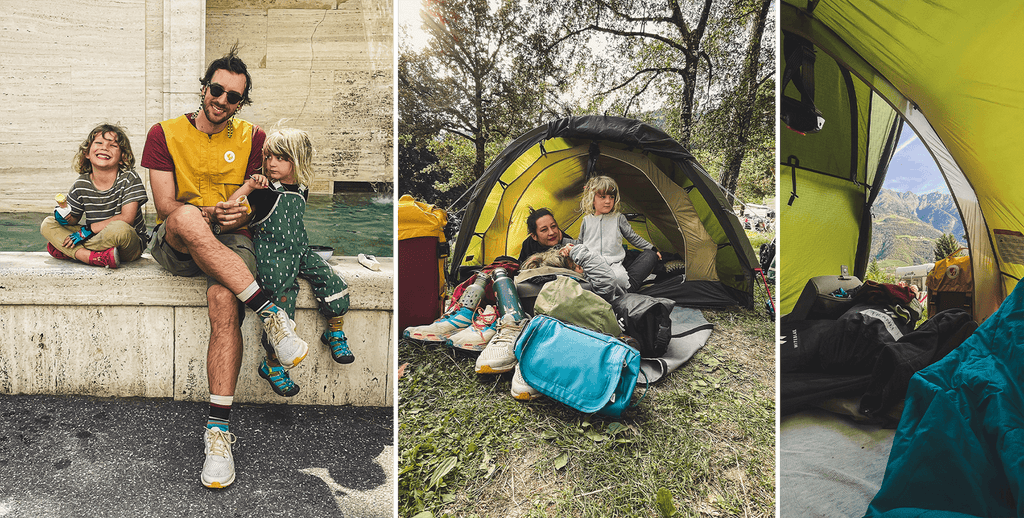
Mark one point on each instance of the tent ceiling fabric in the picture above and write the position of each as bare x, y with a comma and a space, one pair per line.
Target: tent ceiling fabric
954, 61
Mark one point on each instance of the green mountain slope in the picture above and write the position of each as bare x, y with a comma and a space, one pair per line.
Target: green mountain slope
906, 225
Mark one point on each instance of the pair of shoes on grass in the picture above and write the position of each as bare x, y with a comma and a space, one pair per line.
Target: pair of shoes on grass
499, 357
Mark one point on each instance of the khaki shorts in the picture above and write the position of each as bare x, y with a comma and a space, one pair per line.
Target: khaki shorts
183, 265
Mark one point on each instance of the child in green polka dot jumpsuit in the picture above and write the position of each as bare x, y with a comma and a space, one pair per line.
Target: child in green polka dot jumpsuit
278, 201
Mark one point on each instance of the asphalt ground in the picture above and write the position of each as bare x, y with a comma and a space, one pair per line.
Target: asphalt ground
74, 456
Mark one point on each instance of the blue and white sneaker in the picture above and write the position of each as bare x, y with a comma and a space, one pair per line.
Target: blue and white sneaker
476, 336
439, 331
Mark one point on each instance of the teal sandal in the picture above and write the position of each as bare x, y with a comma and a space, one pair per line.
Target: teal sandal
339, 346
279, 379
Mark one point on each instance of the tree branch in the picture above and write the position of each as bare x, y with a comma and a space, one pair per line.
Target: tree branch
628, 18
625, 111
656, 71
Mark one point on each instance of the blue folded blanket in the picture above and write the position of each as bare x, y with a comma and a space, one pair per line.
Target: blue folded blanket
959, 448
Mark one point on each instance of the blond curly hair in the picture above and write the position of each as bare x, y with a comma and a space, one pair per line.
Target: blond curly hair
599, 184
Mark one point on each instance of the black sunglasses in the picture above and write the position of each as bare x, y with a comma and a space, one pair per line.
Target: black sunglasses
217, 90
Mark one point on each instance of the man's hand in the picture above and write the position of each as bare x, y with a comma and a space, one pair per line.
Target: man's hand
81, 236
564, 251
229, 213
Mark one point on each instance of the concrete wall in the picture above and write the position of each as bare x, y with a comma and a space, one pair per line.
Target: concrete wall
67, 66
64, 68
69, 328
325, 67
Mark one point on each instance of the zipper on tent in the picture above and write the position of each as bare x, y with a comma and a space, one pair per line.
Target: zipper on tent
851, 94
594, 152
793, 162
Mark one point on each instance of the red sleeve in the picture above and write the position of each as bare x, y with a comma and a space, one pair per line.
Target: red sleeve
155, 155
256, 154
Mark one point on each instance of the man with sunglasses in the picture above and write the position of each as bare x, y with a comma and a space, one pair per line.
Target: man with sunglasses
195, 162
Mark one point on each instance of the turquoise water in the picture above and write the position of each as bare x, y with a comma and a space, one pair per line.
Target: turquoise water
351, 223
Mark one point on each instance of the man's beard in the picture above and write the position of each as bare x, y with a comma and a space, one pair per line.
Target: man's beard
228, 113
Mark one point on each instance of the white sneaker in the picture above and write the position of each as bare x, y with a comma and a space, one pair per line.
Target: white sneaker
500, 354
289, 348
369, 262
457, 319
219, 468
520, 389
476, 336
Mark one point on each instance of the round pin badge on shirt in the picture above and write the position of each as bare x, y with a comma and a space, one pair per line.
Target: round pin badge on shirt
229, 156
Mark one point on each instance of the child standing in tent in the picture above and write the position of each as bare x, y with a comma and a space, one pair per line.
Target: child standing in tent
604, 227
107, 198
278, 201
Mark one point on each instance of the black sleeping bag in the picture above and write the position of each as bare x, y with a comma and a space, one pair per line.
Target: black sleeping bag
898, 361
867, 352
847, 345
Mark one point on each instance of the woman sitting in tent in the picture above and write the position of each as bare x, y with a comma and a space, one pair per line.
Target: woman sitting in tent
544, 233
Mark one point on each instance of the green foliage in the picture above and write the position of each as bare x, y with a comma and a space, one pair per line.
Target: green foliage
877, 274
702, 439
946, 245
665, 505
473, 80
455, 159
492, 72
758, 238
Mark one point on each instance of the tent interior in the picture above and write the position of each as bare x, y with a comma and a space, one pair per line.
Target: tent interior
947, 70
937, 66
666, 195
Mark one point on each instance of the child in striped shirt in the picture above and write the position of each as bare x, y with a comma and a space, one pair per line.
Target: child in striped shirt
99, 221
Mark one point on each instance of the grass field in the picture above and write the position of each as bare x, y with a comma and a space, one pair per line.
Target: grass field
700, 443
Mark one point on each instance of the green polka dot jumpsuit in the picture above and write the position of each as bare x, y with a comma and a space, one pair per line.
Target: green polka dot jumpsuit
283, 255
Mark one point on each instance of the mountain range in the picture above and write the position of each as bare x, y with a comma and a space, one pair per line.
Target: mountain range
906, 225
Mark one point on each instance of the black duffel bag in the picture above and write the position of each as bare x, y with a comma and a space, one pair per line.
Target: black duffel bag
647, 319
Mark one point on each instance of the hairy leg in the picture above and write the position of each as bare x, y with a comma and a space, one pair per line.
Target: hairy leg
188, 232
224, 356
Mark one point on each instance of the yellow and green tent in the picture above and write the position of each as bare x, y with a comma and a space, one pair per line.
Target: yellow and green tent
667, 196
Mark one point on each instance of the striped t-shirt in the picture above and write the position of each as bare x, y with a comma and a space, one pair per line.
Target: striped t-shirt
97, 205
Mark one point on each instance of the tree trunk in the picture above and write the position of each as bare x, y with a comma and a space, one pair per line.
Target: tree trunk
692, 54
480, 133
689, 91
743, 110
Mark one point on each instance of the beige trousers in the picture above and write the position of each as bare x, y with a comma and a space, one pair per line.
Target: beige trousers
116, 234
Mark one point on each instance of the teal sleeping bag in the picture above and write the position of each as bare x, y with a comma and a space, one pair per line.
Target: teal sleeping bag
959, 447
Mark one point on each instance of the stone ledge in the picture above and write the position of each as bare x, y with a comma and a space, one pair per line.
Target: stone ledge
37, 278
70, 328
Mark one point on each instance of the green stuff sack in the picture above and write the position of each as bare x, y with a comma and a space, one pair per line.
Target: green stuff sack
564, 299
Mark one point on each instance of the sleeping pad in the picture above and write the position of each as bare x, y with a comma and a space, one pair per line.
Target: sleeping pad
959, 447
